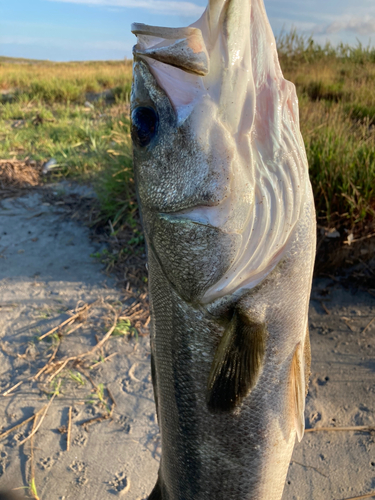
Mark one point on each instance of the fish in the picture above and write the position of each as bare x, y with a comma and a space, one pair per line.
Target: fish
228, 215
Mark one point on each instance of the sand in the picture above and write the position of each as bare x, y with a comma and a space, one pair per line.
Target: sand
47, 270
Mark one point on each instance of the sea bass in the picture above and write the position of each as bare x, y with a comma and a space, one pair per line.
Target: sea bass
228, 215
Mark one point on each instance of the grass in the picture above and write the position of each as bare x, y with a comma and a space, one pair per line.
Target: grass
336, 90
46, 117
64, 82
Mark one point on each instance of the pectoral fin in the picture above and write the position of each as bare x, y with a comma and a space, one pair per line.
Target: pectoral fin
237, 363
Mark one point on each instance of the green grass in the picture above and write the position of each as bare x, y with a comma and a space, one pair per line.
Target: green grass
82, 140
336, 88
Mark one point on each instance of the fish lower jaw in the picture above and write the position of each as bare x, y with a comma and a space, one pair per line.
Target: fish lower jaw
215, 216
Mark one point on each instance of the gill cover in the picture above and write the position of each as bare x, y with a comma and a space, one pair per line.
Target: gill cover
224, 69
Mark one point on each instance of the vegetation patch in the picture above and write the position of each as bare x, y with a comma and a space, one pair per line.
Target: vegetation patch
78, 114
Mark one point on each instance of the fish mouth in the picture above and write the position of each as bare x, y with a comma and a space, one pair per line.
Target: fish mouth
212, 216
197, 215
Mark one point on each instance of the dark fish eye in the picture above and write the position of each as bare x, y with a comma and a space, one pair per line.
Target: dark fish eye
145, 123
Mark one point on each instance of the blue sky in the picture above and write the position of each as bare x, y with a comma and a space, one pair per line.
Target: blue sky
63, 30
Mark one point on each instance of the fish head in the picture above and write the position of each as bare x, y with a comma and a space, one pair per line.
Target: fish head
219, 161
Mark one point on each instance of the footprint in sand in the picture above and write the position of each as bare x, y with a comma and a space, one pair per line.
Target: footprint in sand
80, 440
46, 463
120, 484
79, 468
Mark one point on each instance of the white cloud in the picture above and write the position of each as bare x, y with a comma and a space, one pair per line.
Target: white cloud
166, 6
359, 25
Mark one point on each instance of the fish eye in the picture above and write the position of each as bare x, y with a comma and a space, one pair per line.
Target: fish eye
144, 125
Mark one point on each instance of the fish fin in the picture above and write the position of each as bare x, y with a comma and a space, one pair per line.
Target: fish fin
298, 390
156, 492
237, 363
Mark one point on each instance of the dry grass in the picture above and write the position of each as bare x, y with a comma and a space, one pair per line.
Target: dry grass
18, 175
64, 82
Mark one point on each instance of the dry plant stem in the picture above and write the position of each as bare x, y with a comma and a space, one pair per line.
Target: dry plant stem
103, 360
32, 465
95, 420
359, 428
369, 495
48, 363
113, 402
88, 353
103, 341
67, 321
354, 241
368, 325
43, 416
73, 329
35, 377
327, 311
12, 388
111, 396
63, 365
9, 431
69, 429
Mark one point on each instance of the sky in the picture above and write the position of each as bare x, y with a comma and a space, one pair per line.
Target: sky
66, 30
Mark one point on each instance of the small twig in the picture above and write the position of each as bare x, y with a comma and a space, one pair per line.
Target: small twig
68, 438
360, 239
113, 401
368, 325
63, 365
67, 321
325, 307
32, 465
74, 329
309, 467
12, 388
24, 422
103, 341
95, 419
103, 361
35, 429
359, 428
111, 396
53, 330
347, 320
52, 357
368, 495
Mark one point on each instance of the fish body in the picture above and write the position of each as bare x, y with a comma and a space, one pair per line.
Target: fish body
229, 220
